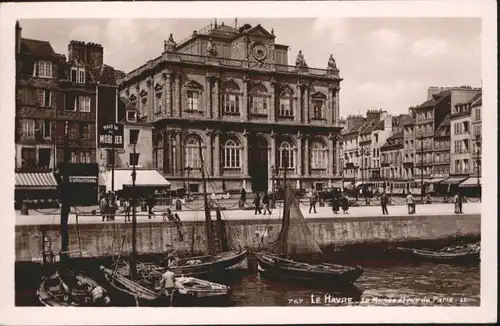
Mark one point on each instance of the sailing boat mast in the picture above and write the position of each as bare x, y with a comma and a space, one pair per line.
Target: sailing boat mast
286, 212
208, 219
65, 207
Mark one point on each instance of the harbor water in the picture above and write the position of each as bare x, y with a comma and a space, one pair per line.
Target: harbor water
384, 283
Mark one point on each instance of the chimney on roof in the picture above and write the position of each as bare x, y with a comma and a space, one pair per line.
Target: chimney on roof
95, 54
76, 51
373, 115
19, 31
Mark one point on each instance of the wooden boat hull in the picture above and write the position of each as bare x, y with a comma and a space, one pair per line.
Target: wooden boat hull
465, 257
217, 264
326, 274
51, 295
190, 291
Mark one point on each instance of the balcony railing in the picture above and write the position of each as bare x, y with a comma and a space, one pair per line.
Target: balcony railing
226, 62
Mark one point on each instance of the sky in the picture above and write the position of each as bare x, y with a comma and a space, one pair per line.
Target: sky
385, 63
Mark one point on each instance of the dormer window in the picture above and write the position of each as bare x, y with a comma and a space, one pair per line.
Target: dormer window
42, 69
77, 75
131, 116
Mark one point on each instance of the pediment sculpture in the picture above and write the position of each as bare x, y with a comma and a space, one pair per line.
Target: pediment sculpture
211, 50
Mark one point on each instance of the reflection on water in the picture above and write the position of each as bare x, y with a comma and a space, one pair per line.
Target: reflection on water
394, 284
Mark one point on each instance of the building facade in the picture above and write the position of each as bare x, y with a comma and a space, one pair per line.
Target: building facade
462, 150
56, 96
231, 90
428, 118
350, 145
476, 107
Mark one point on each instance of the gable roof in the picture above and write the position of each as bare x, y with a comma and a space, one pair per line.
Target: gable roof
436, 98
37, 48
445, 123
258, 29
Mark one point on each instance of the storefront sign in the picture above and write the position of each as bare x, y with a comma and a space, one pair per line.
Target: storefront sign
82, 179
111, 135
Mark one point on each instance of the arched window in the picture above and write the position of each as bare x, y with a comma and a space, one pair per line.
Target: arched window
319, 157
192, 153
286, 103
286, 155
258, 99
232, 154
231, 98
319, 103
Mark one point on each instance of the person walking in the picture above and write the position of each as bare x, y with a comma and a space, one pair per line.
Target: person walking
256, 201
243, 197
410, 201
265, 201
335, 204
460, 201
312, 201
456, 200
345, 204
103, 206
126, 207
384, 201
151, 202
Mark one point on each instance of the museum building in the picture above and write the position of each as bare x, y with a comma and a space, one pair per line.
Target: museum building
231, 89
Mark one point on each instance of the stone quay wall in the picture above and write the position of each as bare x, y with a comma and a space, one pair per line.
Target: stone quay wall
105, 239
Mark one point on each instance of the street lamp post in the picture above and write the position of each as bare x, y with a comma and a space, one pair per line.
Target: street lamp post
422, 168
478, 163
134, 135
273, 181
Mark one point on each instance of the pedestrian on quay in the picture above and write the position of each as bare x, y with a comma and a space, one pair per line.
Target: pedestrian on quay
460, 201
335, 204
456, 203
151, 202
345, 203
103, 206
243, 197
168, 286
112, 207
312, 201
384, 201
410, 201
256, 201
265, 201
126, 207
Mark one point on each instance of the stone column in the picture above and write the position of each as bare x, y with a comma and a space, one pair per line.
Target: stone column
337, 106
296, 107
329, 106
245, 154
206, 98
300, 100
272, 105
299, 156
273, 151
244, 101
176, 96
167, 90
151, 99
308, 115
178, 154
215, 99
337, 159
166, 155
307, 157
217, 154
330, 156
210, 159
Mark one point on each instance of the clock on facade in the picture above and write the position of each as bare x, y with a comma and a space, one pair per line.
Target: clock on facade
259, 51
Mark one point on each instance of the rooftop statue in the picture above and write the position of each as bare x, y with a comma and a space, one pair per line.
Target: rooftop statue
331, 63
169, 46
300, 61
211, 50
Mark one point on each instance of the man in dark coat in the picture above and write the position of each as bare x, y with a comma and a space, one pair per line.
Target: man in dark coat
256, 201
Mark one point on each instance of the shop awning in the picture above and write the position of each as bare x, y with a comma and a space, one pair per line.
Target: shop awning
337, 184
453, 180
36, 181
436, 180
425, 180
471, 182
144, 178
